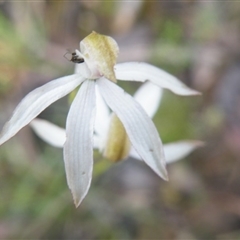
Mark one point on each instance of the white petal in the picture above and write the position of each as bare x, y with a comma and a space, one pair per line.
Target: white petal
55, 135
97, 142
49, 132
174, 151
36, 101
139, 127
139, 71
78, 148
149, 96
134, 154
102, 115
178, 150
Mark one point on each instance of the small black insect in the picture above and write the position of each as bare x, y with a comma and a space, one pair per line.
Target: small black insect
74, 57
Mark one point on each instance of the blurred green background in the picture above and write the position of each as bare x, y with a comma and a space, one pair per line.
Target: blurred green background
199, 42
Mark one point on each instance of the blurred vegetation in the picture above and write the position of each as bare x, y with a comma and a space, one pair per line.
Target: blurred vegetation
11, 52
198, 41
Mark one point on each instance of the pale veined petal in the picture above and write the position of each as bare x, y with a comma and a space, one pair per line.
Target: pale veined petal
78, 148
177, 150
36, 101
55, 135
102, 115
149, 96
97, 142
174, 151
139, 127
49, 132
139, 71
134, 154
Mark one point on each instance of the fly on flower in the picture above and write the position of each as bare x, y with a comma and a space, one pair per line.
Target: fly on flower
74, 57
98, 71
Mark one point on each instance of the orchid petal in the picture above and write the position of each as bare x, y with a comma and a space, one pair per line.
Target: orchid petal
134, 154
97, 142
177, 150
36, 101
139, 127
149, 96
102, 115
55, 135
49, 132
78, 148
174, 151
139, 71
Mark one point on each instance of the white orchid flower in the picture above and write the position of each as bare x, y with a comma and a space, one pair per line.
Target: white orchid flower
98, 54
108, 137
109, 132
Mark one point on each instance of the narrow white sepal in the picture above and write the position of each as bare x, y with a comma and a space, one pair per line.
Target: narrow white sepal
36, 101
78, 148
139, 71
149, 96
55, 135
135, 155
102, 115
139, 127
49, 132
97, 142
178, 150
174, 151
